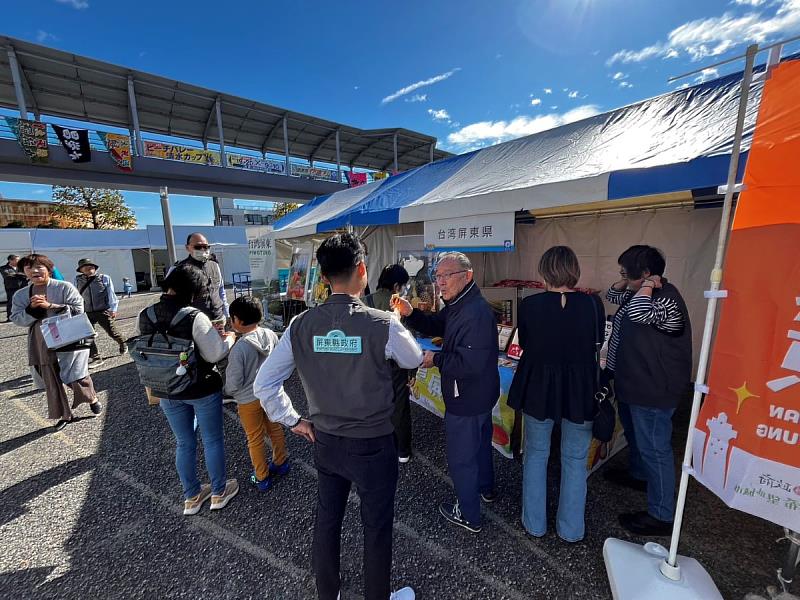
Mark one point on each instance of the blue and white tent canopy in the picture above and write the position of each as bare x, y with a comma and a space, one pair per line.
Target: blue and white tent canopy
676, 142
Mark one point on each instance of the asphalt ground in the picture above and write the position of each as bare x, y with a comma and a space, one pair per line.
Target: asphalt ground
95, 511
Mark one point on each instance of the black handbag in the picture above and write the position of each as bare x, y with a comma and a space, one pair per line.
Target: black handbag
605, 418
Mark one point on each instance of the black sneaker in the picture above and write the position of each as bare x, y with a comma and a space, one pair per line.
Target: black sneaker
489, 497
96, 407
60, 425
625, 479
641, 523
122, 348
452, 513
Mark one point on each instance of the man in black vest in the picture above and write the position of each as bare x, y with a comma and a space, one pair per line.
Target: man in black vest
344, 353
650, 358
13, 280
100, 303
470, 384
212, 301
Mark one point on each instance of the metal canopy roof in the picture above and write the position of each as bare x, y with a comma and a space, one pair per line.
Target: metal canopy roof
66, 85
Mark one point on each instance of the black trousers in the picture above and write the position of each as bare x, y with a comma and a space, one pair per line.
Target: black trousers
401, 419
110, 327
9, 294
370, 464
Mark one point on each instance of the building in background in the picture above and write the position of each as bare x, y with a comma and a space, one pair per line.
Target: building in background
26, 213
237, 213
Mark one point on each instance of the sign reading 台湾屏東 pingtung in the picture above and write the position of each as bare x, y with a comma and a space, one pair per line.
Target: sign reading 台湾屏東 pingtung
484, 233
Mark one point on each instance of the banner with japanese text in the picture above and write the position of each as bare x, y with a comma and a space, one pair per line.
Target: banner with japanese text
119, 147
75, 142
478, 233
315, 172
32, 138
747, 440
253, 163
181, 153
356, 179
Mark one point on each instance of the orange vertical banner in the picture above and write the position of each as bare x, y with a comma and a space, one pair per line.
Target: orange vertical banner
747, 442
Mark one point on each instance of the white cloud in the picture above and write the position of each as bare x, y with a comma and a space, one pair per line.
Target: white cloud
536, 102
625, 84
706, 74
76, 4
418, 98
573, 94
619, 76
493, 132
548, 90
498, 56
419, 84
713, 36
439, 115
554, 107
355, 87
43, 36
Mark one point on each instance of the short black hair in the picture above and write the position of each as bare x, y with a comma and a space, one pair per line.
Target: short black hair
247, 309
640, 258
191, 235
187, 281
392, 275
12, 257
339, 255
31, 260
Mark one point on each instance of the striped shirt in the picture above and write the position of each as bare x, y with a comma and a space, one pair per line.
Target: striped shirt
662, 313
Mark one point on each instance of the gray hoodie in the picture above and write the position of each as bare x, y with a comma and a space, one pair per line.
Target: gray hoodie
244, 360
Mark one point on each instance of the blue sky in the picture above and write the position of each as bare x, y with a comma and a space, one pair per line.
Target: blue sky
470, 72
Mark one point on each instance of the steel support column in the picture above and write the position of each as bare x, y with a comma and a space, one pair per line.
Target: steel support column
166, 215
222, 157
394, 144
16, 75
286, 144
338, 159
137, 142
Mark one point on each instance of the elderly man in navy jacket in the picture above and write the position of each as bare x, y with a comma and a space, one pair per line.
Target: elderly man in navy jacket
470, 383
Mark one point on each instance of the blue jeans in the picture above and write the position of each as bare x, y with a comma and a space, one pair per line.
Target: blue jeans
575, 442
181, 415
469, 460
649, 434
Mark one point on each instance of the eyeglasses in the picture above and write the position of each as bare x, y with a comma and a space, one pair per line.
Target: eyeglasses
201, 246
447, 276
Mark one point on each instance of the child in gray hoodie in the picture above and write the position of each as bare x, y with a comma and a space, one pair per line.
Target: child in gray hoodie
252, 348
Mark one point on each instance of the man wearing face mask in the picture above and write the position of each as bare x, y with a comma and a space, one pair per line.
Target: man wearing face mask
212, 301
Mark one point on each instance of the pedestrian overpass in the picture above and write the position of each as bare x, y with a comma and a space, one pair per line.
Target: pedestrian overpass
190, 139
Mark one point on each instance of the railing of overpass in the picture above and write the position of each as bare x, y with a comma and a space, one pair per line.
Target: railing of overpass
188, 153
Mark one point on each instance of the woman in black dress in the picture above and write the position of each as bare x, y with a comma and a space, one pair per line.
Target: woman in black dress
555, 383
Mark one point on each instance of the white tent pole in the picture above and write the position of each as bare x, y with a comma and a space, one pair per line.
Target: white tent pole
670, 567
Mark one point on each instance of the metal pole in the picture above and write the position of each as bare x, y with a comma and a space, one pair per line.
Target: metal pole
168, 233
135, 117
670, 568
394, 143
222, 158
774, 56
286, 144
433, 146
15, 75
338, 159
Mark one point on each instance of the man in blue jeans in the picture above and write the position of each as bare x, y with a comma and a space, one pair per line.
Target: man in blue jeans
650, 355
470, 384
345, 354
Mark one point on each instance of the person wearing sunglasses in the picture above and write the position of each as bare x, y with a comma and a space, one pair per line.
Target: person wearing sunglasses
470, 383
212, 300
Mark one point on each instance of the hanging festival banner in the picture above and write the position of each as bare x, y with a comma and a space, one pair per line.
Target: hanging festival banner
747, 441
315, 173
119, 148
356, 179
253, 163
181, 153
32, 137
75, 142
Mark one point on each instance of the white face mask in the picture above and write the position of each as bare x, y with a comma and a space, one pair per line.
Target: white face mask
201, 255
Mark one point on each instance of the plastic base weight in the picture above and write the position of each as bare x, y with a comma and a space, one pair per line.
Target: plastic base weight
635, 573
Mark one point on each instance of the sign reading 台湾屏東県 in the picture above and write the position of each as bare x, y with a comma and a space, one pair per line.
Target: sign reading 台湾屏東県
485, 233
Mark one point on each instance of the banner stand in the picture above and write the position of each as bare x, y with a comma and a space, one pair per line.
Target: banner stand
631, 568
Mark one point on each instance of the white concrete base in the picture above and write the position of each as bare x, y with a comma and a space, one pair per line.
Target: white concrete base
634, 574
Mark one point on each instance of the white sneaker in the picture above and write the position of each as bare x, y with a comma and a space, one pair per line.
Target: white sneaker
403, 594
221, 501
